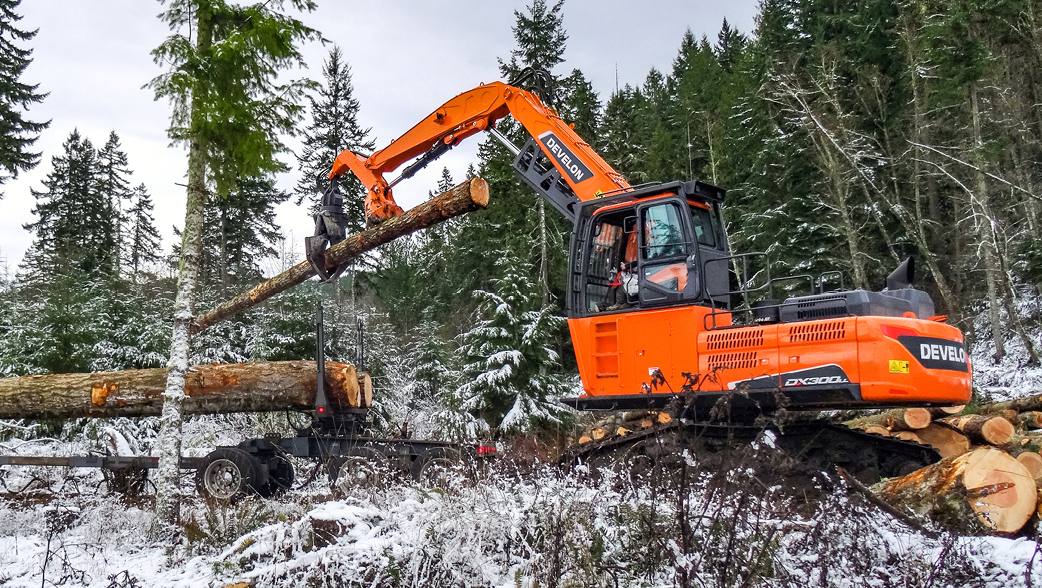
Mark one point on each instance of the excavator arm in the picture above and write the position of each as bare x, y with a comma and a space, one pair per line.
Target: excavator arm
581, 168
577, 174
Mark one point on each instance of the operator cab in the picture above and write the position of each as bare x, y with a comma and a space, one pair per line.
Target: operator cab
649, 248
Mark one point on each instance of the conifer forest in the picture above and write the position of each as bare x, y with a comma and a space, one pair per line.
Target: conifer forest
848, 136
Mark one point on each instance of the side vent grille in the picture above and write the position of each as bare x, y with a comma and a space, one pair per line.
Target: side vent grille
733, 361
818, 332
819, 309
735, 339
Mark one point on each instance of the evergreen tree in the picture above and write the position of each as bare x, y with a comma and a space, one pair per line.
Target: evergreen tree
142, 239
511, 377
114, 183
75, 225
580, 105
230, 109
17, 134
540, 38
240, 231
334, 127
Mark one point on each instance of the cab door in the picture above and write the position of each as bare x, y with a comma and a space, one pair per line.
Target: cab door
668, 268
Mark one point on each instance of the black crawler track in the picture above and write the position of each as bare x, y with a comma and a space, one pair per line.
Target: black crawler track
814, 445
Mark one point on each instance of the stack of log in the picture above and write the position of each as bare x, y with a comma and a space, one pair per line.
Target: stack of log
990, 477
623, 424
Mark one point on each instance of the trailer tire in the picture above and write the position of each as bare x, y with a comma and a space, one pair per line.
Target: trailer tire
438, 467
229, 475
359, 467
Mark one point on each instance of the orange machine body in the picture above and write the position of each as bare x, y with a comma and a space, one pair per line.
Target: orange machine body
885, 360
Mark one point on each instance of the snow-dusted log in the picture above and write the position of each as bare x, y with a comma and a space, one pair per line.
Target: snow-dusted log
993, 430
899, 419
1017, 405
947, 441
466, 197
211, 389
981, 492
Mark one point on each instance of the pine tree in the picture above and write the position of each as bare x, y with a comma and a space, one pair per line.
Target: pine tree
142, 239
75, 225
580, 105
334, 127
240, 231
17, 134
114, 183
511, 378
540, 38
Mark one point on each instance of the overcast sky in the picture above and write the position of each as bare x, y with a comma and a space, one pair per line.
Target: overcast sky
407, 58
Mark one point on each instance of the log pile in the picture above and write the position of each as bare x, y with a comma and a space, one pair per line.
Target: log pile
990, 478
620, 425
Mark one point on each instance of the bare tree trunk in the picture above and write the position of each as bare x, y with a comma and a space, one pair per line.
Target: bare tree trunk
168, 491
982, 222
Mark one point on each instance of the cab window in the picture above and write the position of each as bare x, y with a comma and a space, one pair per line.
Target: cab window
663, 232
607, 246
705, 228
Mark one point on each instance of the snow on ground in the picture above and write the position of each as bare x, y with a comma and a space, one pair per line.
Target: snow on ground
1012, 376
538, 527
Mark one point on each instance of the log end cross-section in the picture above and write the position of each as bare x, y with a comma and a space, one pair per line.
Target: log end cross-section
980, 492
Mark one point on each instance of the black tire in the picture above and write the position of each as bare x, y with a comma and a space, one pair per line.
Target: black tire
438, 467
358, 467
229, 475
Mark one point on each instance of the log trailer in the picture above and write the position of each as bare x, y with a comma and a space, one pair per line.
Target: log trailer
697, 332
333, 432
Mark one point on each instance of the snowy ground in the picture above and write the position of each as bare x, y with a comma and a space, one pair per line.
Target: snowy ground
538, 527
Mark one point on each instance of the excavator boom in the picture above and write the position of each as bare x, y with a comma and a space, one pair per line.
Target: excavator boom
585, 173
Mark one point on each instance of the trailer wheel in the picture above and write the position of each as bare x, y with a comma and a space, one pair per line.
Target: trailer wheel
229, 474
360, 467
438, 467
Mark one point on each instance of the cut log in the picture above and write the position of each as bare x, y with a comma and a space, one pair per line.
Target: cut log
1032, 461
900, 419
598, 433
1031, 419
940, 412
877, 430
908, 436
993, 430
1018, 405
466, 197
947, 441
981, 492
211, 389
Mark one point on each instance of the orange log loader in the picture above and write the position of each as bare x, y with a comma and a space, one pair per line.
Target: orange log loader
663, 314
